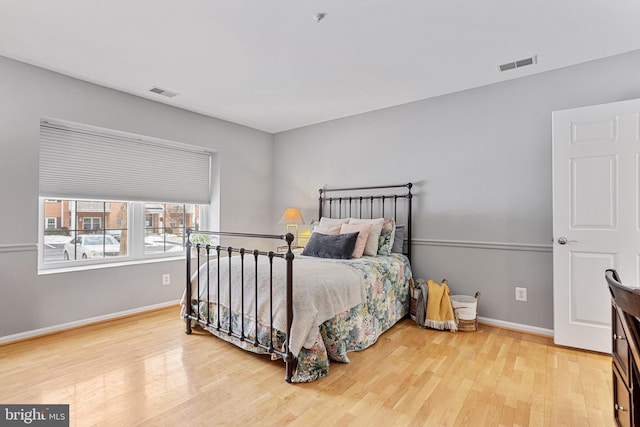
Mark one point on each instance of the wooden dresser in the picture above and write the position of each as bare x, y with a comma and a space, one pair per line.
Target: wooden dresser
625, 327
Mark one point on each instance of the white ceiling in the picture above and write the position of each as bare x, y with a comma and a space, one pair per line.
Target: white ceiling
270, 66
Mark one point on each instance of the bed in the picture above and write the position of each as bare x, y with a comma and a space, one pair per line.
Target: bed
307, 306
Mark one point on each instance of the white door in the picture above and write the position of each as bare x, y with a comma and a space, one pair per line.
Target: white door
596, 220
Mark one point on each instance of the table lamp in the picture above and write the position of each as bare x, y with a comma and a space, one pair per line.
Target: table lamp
292, 217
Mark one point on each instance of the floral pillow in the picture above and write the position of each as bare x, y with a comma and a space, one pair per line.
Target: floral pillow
387, 234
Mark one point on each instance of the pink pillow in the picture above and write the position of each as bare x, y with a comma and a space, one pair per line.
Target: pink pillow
364, 230
371, 247
327, 229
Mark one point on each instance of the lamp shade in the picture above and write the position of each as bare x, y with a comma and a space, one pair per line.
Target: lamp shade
292, 216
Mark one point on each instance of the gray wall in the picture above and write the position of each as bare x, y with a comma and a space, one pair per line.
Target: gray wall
29, 301
481, 160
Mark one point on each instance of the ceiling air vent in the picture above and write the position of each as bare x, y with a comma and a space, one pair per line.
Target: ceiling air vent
163, 92
519, 63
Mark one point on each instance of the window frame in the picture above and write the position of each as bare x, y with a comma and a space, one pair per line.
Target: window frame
136, 231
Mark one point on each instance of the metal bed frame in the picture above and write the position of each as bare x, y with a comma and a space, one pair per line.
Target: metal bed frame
348, 205
337, 207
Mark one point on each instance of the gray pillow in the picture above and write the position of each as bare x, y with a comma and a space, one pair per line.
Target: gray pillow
398, 240
338, 246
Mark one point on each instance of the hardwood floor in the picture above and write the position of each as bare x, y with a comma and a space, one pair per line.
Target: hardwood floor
144, 370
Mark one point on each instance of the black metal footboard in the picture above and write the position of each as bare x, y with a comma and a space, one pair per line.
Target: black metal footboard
252, 257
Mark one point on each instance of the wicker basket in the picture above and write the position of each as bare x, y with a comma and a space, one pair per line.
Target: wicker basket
466, 311
468, 325
414, 299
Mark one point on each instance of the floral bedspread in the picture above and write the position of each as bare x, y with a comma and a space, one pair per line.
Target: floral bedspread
386, 281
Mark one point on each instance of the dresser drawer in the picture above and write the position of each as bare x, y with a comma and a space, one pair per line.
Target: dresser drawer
622, 413
620, 346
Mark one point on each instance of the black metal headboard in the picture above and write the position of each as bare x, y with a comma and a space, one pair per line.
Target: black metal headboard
371, 202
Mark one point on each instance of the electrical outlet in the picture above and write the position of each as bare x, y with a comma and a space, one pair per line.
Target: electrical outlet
521, 294
166, 279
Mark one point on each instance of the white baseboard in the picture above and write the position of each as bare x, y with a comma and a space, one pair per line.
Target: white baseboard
78, 323
516, 326
70, 325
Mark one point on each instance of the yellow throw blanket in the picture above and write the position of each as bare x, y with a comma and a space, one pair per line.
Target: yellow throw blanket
439, 309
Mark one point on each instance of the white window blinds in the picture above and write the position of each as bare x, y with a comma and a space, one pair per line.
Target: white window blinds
86, 162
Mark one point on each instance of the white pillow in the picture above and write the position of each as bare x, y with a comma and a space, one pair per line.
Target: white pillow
371, 247
332, 222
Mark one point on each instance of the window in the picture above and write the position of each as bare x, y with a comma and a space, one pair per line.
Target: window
99, 192
81, 239
90, 223
81, 235
166, 226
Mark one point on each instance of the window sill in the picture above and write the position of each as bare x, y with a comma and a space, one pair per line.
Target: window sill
54, 270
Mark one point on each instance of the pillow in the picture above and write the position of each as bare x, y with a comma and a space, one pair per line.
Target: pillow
376, 228
327, 229
339, 246
385, 242
398, 240
363, 230
324, 221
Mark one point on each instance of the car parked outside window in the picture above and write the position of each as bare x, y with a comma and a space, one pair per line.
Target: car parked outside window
88, 246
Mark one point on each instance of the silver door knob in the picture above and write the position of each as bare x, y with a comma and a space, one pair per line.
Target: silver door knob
564, 240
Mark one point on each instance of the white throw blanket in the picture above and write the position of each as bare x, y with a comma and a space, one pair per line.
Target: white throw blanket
322, 288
